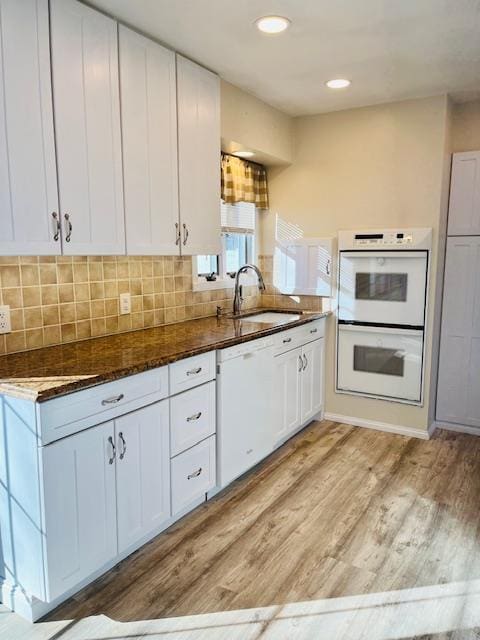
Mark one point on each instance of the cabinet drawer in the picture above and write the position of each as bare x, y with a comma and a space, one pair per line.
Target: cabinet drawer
193, 474
313, 330
191, 372
192, 417
293, 338
68, 414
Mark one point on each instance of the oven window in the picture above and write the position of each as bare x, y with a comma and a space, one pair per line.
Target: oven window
389, 287
388, 362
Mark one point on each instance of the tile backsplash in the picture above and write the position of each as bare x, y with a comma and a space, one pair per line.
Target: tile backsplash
62, 299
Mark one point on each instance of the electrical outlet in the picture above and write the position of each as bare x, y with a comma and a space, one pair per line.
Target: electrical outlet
5, 323
125, 303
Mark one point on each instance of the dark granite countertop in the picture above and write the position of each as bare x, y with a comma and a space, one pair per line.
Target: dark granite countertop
45, 373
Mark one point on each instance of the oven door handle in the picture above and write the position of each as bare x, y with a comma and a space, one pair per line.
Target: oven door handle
356, 328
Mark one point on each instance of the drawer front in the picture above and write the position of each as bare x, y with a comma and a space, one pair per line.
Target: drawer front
191, 372
293, 338
313, 330
193, 474
68, 414
192, 417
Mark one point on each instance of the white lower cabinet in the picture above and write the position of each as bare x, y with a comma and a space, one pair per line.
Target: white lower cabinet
193, 474
79, 506
143, 473
298, 387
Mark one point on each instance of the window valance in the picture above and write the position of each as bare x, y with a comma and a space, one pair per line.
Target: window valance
243, 181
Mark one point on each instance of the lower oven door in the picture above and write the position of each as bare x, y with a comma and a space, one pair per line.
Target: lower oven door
380, 362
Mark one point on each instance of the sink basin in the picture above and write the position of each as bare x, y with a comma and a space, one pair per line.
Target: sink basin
272, 317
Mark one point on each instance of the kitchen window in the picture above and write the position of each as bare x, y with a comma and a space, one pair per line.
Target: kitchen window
238, 248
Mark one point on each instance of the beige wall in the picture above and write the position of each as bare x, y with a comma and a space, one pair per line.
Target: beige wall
381, 166
466, 126
249, 123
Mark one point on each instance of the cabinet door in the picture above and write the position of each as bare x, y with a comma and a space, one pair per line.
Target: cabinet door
464, 209
28, 183
287, 390
87, 120
198, 95
312, 380
304, 266
80, 517
458, 398
143, 472
149, 138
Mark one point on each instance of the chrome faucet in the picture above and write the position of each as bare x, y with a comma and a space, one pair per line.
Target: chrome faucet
238, 299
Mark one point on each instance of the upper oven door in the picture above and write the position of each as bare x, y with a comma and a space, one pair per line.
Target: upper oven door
386, 287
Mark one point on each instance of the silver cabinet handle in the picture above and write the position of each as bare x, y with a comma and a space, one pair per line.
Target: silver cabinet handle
195, 474
327, 269
196, 416
305, 362
185, 234
287, 340
193, 372
68, 237
300, 363
113, 399
114, 450
56, 235
124, 445
178, 236
313, 330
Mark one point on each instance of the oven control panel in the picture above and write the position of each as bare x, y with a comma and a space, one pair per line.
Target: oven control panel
390, 238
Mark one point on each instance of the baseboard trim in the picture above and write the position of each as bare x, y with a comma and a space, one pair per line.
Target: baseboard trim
459, 428
381, 426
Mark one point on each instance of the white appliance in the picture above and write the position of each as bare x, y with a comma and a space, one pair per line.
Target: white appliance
382, 297
245, 429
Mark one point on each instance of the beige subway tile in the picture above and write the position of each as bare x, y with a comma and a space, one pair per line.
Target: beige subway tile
30, 275
158, 267
33, 317
65, 293
48, 273
94, 259
137, 303
109, 259
98, 327
9, 260
147, 285
65, 273
170, 315
95, 271
97, 309
178, 267
34, 338
3, 348
168, 266
137, 320
179, 283
16, 319
122, 271
46, 259
13, 297
97, 290
111, 289
10, 276
50, 315
81, 292
134, 269
69, 332
180, 314
111, 307
159, 316
136, 287
124, 322
158, 301
77, 259
148, 319
82, 310
51, 335
110, 270
179, 298
84, 329
169, 284
148, 302
67, 313
147, 269
31, 296
123, 286
15, 341
49, 294
169, 299
80, 272
28, 259
158, 285
64, 259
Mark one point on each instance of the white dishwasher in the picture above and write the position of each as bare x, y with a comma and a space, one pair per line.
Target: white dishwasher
245, 429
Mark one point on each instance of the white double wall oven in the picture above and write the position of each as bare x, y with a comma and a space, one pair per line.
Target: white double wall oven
382, 301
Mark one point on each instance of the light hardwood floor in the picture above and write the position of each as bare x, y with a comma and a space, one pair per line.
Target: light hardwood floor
338, 511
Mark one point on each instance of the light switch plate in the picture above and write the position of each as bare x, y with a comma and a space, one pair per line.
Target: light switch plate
5, 323
125, 303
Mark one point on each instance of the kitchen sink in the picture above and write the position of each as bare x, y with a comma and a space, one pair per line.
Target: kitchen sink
272, 317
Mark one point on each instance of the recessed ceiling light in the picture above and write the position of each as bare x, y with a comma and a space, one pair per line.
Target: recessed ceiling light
338, 83
272, 24
243, 154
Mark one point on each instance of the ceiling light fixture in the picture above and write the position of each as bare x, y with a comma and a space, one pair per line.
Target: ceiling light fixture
243, 154
338, 83
272, 24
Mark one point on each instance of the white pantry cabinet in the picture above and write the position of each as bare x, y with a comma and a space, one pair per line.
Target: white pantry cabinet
298, 387
28, 182
458, 397
79, 504
87, 125
464, 208
198, 104
149, 138
143, 472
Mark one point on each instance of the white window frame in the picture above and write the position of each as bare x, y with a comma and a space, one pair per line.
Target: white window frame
224, 281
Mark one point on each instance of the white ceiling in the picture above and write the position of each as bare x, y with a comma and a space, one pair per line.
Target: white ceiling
390, 49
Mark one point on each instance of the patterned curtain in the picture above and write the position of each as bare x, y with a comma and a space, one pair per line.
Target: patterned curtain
243, 181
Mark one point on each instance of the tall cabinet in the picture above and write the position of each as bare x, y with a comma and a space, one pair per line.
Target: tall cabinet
458, 397
28, 182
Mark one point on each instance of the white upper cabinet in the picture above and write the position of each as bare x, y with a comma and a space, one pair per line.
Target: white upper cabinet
28, 184
87, 125
304, 266
464, 210
198, 104
149, 135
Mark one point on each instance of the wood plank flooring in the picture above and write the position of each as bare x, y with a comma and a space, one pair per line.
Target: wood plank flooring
338, 511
